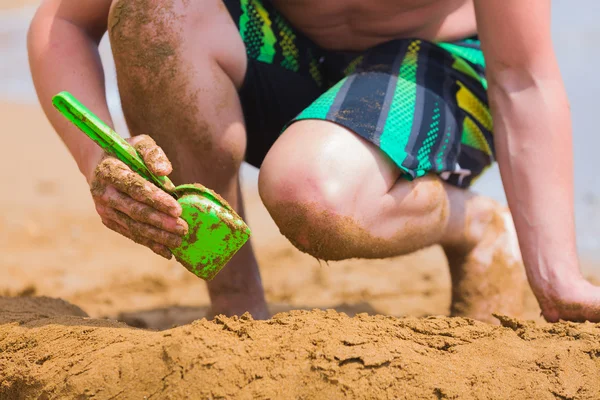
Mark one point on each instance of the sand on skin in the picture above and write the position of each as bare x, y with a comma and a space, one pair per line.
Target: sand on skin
53, 244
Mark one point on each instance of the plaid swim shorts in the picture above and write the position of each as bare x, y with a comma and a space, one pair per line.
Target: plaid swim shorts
424, 104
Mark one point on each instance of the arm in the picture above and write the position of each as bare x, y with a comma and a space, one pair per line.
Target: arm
63, 55
532, 130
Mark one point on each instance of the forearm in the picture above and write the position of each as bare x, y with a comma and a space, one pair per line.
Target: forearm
534, 150
63, 57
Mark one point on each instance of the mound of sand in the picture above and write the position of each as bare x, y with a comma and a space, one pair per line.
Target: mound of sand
300, 354
53, 244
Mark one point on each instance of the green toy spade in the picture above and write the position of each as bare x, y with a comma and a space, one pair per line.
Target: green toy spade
216, 231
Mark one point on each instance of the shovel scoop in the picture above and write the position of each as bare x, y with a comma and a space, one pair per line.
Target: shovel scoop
216, 231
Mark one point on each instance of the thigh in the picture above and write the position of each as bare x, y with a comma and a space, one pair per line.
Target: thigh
178, 66
324, 163
158, 42
320, 176
423, 104
283, 73
193, 75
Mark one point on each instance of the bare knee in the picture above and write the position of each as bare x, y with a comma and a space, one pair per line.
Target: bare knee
175, 88
165, 41
332, 212
318, 162
284, 180
153, 76
145, 35
320, 218
307, 210
303, 198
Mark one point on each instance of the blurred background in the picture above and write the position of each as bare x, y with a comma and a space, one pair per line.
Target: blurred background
53, 243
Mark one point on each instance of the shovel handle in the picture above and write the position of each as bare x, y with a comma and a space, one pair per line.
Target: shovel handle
106, 138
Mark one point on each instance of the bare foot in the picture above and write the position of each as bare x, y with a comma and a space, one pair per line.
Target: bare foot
487, 272
238, 304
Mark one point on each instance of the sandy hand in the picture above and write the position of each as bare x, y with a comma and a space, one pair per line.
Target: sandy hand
579, 301
132, 206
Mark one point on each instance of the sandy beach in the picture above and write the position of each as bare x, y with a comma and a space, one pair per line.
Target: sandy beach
86, 313
53, 244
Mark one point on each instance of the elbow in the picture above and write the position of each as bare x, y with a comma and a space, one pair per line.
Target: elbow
534, 73
511, 80
527, 87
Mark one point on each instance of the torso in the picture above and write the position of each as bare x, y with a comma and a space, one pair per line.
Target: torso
355, 25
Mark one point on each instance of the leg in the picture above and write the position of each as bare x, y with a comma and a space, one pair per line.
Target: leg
178, 85
337, 196
484, 259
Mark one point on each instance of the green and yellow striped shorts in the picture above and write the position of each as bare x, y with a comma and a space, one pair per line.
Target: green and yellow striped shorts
423, 104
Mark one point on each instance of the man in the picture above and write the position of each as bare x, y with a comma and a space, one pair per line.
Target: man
369, 121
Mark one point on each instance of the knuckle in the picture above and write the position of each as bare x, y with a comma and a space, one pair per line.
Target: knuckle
144, 144
109, 169
105, 197
112, 198
154, 156
97, 188
107, 162
100, 209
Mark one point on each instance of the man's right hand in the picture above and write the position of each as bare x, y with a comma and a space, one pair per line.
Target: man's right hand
132, 206
578, 300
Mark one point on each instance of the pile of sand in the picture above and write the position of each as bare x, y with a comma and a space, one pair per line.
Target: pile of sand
47, 350
52, 243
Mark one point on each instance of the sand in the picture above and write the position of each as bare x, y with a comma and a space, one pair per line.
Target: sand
300, 354
121, 323
377, 341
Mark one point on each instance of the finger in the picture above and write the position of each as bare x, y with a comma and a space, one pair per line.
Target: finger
155, 247
154, 157
140, 229
143, 213
116, 173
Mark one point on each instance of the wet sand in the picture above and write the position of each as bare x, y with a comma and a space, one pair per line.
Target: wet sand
53, 244
53, 353
130, 324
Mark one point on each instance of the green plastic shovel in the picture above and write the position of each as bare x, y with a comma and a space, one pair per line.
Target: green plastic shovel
216, 231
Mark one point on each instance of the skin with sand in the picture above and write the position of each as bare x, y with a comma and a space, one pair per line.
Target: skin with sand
152, 44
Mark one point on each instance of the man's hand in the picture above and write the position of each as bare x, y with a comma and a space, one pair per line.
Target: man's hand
132, 206
576, 301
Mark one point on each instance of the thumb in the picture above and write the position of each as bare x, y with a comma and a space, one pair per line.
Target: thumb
154, 157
